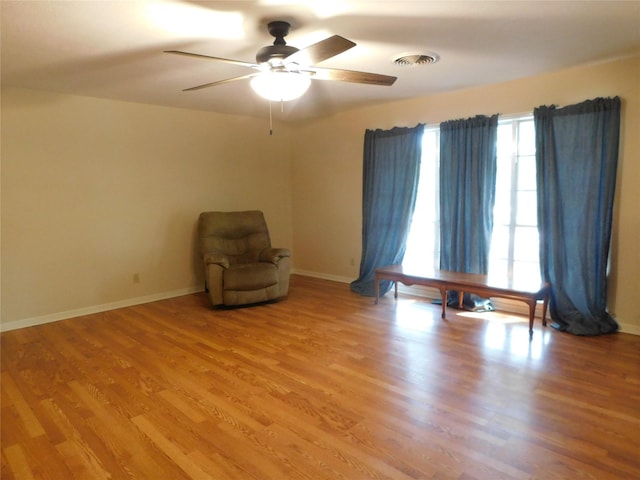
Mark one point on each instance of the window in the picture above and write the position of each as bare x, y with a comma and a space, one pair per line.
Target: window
514, 243
423, 243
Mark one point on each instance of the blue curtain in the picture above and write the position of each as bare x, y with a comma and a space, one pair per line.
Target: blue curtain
468, 150
576, 161
391, 168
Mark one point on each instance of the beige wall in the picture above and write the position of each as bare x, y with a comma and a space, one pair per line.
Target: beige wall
327, 168
95, 191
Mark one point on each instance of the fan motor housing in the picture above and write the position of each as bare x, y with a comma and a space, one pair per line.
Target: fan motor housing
278, 29
265, 54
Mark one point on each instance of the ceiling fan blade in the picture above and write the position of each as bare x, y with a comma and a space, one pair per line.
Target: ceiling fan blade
324, 49
208, 57
219, 82
352, 76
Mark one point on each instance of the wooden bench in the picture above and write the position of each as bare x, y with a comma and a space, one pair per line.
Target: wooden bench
466, 282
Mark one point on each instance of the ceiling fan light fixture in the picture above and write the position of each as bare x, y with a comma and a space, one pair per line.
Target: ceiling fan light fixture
286, 72
280, 86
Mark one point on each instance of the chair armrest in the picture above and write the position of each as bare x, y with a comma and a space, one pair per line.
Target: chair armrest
217, 258
273, 255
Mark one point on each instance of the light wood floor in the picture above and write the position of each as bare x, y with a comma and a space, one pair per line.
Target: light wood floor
324, 385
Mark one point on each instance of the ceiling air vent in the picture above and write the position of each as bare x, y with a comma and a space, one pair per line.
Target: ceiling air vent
416, 59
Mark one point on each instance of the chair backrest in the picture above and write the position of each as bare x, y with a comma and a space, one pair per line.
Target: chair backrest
239, 235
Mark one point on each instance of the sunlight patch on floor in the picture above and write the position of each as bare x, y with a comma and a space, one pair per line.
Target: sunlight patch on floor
497, 317
410, 315
516, 341
504, 332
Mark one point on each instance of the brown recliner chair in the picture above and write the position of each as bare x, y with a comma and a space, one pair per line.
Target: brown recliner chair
240, 266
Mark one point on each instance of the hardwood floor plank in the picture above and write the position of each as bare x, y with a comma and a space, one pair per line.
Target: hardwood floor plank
23, 410
322, 385
17, 462
169, 448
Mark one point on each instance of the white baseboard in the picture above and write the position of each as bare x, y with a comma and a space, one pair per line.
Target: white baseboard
323, 276
630, 329
55, 317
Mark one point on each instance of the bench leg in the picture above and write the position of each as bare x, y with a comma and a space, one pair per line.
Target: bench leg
545, 304
532, 314
443, 294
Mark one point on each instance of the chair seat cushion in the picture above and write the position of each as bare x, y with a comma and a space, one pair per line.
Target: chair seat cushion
250, 276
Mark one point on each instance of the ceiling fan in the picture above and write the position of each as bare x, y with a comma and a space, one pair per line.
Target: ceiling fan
284, 72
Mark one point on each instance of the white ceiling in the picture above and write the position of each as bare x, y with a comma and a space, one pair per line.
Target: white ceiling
114, 49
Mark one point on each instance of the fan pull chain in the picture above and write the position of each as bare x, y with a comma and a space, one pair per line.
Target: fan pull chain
271, 115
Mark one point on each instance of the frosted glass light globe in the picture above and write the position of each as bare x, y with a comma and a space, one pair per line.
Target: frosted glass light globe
280, 86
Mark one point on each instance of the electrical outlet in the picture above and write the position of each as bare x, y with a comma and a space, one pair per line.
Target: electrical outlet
136, 278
